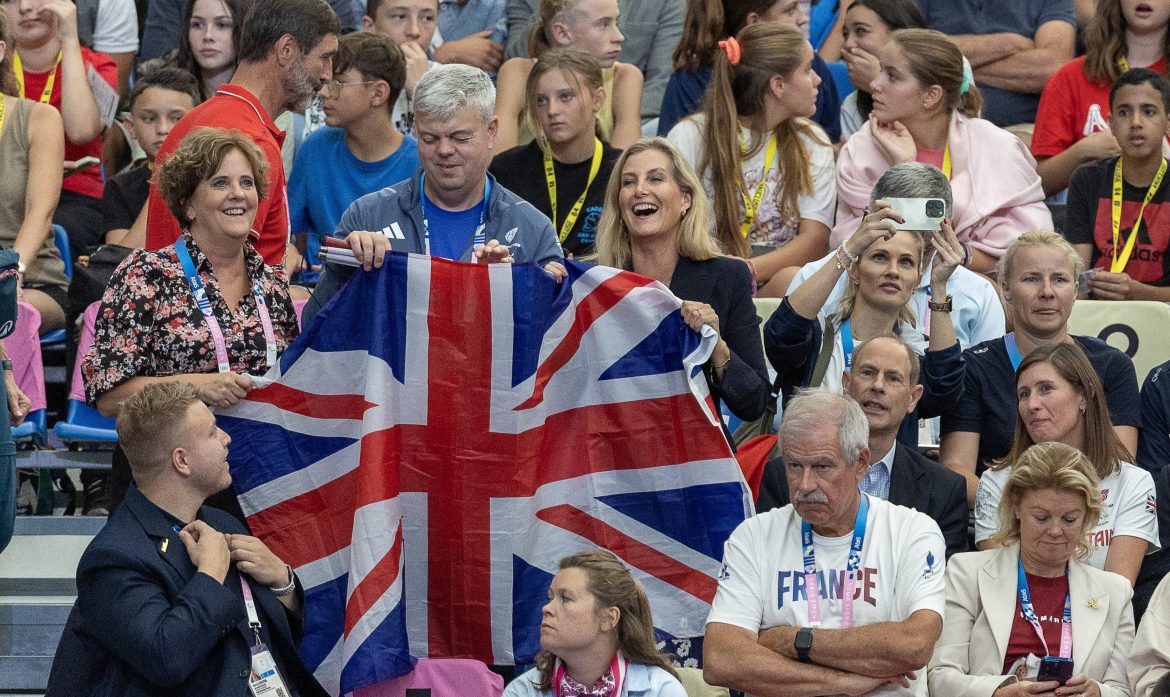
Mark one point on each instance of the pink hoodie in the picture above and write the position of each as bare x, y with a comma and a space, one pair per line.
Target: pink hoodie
996, 190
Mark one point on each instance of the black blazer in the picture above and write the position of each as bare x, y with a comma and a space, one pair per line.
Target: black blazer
146, 623
725, 283
915, 482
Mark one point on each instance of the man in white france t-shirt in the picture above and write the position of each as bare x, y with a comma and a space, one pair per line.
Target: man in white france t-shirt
765, 638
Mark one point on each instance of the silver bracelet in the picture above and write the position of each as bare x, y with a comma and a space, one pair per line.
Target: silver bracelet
292, 584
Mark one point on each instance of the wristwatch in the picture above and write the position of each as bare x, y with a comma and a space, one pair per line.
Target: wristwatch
288, 589
944, 306
5, 365
803, 644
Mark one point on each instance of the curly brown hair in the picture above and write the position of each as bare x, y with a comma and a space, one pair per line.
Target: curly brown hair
197, 158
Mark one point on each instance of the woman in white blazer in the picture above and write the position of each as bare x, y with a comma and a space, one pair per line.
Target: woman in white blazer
988, 647
1150, 660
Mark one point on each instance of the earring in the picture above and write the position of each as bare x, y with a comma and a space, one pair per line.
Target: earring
684, 213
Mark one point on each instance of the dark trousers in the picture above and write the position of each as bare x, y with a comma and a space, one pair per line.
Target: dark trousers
81, 216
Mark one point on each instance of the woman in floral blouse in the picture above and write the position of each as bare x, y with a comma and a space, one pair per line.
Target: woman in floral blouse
150, 326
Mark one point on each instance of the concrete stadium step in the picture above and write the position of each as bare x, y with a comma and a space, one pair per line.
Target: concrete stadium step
37, 590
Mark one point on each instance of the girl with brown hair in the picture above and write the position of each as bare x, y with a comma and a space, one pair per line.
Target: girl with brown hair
925, 109
1061, 399
565, 92
767, 168
597, 633
709, 21
587, 25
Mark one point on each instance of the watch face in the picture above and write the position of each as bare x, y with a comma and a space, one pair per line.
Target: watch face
804, 638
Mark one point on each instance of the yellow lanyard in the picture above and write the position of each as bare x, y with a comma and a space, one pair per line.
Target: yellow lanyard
1123, 64
946, 168
550, 178
752, 204
1, 115
1119, 262
47, 93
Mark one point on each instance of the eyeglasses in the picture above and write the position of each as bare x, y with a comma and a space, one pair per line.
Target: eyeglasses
334, 86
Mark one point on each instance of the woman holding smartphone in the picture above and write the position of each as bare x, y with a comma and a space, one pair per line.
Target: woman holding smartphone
1029, 617
811, 348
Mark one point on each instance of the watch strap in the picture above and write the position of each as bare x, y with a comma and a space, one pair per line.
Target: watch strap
945, 306
803, 644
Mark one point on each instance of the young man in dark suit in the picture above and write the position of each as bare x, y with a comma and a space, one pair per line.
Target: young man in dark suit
884, 381
161, 590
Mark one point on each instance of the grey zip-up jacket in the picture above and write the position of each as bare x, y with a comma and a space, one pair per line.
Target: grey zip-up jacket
396, 212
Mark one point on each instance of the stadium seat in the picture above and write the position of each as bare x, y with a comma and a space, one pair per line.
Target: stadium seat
440, 677
765, 307
83, 424
1140, 328
61, 239
693, 683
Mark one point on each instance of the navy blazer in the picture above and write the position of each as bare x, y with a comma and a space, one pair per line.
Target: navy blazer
146, 623
725, 283
915, 482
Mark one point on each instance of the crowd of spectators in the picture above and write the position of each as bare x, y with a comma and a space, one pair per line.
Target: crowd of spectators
888, 169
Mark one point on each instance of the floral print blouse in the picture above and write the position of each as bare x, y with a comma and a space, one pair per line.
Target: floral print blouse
149, 324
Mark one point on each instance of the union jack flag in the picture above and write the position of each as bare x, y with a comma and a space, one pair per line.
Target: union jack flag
442, 434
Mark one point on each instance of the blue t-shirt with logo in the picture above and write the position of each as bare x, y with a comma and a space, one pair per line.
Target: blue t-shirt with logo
326, 178
451, 231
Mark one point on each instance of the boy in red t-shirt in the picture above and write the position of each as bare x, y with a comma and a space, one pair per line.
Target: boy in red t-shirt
51, 66
1126, 252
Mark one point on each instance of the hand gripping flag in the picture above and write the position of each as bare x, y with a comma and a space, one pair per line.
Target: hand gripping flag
442, 434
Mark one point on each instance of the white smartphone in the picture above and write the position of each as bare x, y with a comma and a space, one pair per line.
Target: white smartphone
919, 214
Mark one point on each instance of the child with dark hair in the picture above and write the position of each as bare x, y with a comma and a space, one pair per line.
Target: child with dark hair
160, 98
359, 151
1118, 217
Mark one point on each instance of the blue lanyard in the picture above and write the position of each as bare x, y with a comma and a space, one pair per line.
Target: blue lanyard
812, 587
1013, 351
847, 342
198, 289
479, 231
1029, 613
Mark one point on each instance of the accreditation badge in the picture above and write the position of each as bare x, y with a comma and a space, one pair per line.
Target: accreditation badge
265, 680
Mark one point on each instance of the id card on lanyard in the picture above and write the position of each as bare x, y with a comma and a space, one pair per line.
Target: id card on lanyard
847, 342
550, 180
1013, 351
751, 204
47, 92
479, 231
199, 290
812, 588
618, 668
1122, 252
264, 680
1029, 613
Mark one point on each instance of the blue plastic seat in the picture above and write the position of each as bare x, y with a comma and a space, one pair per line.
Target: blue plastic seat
84, 424
61, 238
32, 429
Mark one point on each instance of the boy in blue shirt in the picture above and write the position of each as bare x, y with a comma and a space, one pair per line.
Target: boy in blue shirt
359, 152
